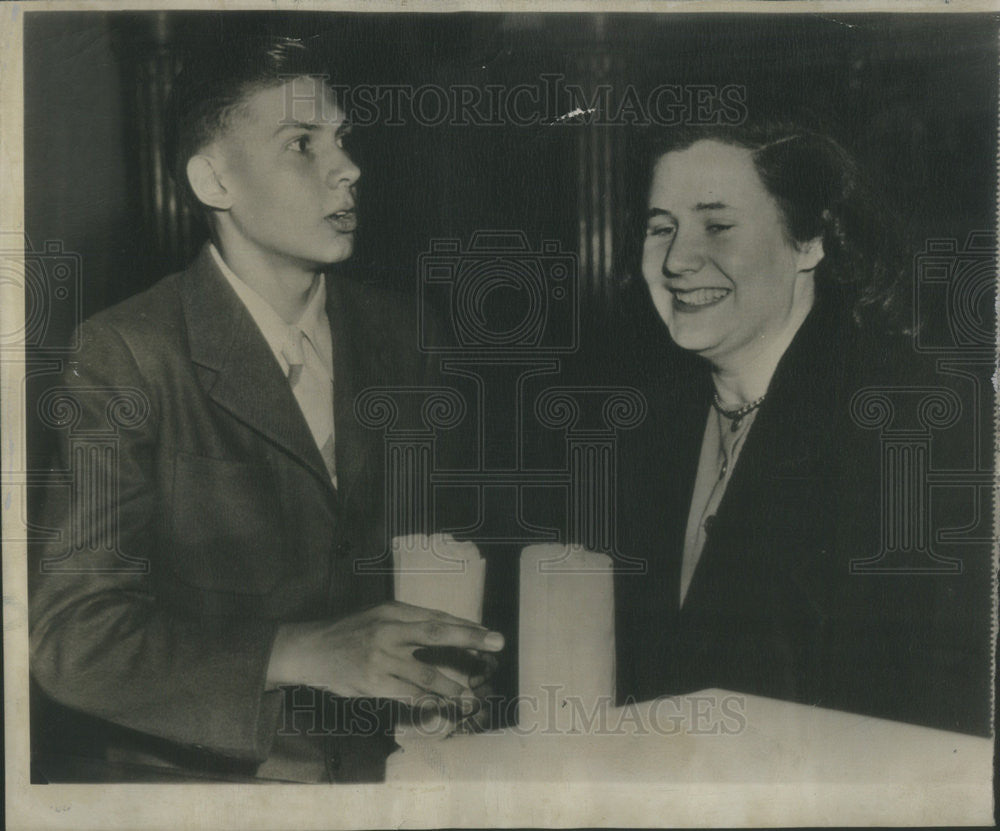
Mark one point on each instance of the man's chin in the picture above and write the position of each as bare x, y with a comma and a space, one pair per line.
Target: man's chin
337, 254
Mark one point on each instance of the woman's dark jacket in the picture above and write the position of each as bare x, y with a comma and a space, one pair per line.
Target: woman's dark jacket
781, 603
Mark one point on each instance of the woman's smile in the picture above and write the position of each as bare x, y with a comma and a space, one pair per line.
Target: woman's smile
692, 300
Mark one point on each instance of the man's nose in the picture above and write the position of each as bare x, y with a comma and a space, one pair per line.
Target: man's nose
684, 255
343, 171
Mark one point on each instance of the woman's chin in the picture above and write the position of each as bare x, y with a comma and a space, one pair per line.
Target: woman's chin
697, 342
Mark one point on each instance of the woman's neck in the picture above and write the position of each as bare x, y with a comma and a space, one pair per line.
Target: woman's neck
745, 377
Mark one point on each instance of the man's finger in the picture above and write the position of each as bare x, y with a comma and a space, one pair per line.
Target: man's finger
413, 614
399, 689
427, 678
489, 662
463, 636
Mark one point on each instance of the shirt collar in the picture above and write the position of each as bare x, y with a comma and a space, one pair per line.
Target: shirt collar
313, 321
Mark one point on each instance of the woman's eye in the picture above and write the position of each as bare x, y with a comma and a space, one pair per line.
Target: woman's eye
300, 144
718, 228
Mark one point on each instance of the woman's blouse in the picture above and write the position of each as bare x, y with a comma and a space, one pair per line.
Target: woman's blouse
720, 448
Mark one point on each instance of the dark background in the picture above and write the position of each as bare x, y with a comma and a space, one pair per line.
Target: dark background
913, 95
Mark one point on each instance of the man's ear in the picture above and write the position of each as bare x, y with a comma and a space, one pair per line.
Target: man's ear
206, 184
810, 254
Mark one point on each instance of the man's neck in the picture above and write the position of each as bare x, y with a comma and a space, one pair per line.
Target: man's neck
284, 285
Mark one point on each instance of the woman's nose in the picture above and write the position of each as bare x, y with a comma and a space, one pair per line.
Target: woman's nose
683, 256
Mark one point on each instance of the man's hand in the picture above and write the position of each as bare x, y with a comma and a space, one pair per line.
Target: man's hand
370, 654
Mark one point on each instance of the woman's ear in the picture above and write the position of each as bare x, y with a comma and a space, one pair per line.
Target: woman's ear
206, 184
809, 254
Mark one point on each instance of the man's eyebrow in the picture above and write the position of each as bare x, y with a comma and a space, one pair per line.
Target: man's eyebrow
343, 128
296, 125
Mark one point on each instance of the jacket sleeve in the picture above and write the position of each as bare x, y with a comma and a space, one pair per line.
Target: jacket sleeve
100, 641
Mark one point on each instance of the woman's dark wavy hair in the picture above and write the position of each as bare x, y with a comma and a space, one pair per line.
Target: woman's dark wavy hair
215, 81
821, 192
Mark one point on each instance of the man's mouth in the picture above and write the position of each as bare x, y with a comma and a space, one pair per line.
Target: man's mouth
699, 298
344, 221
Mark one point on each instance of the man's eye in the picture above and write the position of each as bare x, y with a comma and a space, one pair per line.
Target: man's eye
660, 231
299, 145
718, 228
342, 134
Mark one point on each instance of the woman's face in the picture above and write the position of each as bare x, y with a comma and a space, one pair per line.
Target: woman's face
720, 267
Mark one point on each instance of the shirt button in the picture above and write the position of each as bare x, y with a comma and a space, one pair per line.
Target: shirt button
709, 524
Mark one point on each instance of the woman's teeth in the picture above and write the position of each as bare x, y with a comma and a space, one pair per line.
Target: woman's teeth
700, 297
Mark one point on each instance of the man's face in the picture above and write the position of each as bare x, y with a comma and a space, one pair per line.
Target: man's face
289, 181
720, 267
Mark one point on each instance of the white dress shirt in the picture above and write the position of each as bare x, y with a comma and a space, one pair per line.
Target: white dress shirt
303, 350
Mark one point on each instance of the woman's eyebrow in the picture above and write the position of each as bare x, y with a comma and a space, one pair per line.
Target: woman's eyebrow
711, 206
700, 206
654, 212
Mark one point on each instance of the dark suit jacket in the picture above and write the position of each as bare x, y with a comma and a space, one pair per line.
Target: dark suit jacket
221, 496
773, 608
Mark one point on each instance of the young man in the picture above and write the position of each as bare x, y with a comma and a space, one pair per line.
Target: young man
197, 604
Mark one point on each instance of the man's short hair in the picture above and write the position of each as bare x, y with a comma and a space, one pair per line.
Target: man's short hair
215, 82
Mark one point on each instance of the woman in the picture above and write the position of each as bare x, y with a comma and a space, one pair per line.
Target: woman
750, 493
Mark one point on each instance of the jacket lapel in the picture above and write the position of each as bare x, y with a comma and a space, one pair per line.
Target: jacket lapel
780, 466
659, 493
246, 380
686, 428
358, 361
795, 423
